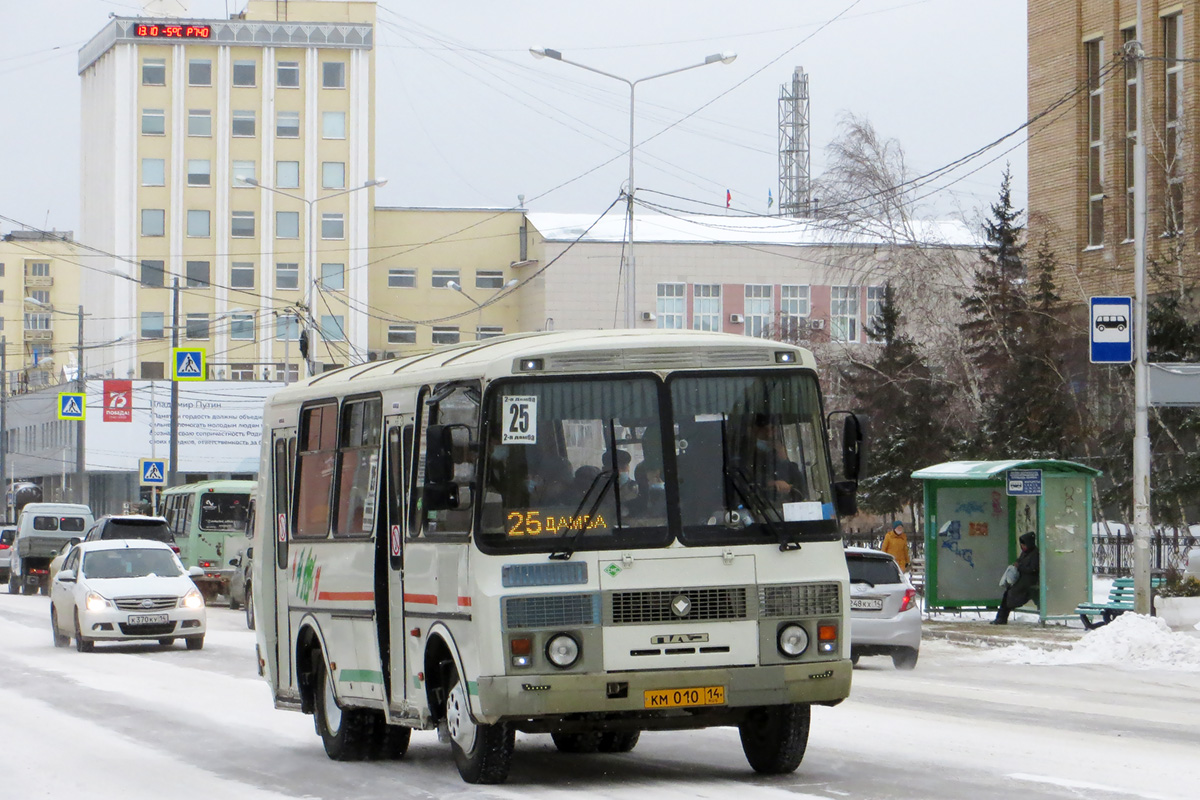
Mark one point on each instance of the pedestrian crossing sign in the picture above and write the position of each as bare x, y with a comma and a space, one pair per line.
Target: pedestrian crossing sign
153, 471
188, 364
72, 406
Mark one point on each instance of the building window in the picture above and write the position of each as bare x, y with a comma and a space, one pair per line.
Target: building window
242, 372
333, 327
333, 75
196, 326
402, 279
152, 370
706, 307
287, 174
333, 226
446, 334
843, 314
241, 327
154, 72
1173, 52
758, 309
287, 327
199, 72
1095, 214
793, 301
37, 322
154, 172
287, 125
241, 171
199, 122
242, 224
243, 123
244, 73
152, 324
488, 332
199, 172
1129, 35
198, 222
443, 277
241, 275
333, 277
40, 295
669, 306
154, 122
287, 276
333, 175
287, 224
875, 297
489, 279
333, 125
197, 275
153, 276
287, 75
402, 334
153, 222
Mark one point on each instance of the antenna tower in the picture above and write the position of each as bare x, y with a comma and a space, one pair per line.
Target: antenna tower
795, 166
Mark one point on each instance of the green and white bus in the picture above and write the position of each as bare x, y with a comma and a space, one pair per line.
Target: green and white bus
208, 520
585, 534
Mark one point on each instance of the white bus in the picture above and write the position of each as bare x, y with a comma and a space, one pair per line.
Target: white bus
586, 534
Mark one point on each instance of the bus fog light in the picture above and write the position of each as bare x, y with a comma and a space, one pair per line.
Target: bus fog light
563, 650
520, 661
827, 647
793, 640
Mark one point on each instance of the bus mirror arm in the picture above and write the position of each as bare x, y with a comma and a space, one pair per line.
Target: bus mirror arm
845, 498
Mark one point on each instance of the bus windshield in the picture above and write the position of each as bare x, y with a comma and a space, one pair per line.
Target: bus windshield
220, 511
574, 461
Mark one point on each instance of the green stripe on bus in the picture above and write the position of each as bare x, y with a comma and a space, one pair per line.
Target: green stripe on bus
472, 687
359, 676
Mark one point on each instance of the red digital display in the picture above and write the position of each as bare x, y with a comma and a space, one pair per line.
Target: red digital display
154, 31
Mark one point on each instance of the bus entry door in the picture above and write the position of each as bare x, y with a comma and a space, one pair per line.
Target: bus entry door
399, 472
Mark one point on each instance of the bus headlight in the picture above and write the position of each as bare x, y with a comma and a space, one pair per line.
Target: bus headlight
793, 640
562, 650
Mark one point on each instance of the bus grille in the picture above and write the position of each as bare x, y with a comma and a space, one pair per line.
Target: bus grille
551, 611
630, 608
145, 603
799, 600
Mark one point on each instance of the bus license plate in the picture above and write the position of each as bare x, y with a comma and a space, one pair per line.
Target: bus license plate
149, 619
697, 696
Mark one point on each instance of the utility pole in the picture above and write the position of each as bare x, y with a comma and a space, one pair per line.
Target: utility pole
173, 456
1141, 376
4, 422
81, 479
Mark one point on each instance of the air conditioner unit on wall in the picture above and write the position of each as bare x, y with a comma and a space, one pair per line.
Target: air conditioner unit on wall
648, 316
736, 319
817, 324
374, 355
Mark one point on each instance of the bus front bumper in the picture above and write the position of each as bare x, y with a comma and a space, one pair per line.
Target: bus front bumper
556, 695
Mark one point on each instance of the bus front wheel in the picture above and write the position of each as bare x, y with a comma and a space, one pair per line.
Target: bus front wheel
482, 753
774, 738
347, 733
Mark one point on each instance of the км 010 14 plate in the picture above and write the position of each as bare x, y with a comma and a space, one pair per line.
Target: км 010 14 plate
695, 696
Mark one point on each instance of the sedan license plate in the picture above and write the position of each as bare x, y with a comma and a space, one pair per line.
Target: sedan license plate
149, 619
696, 696
866, 603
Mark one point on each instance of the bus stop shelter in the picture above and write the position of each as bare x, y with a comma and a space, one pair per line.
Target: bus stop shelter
976, 510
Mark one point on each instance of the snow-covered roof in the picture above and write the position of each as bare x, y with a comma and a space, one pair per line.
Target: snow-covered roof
715, 229
986, 470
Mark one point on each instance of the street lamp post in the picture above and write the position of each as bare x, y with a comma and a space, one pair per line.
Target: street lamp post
310, 244
630, 263
479, 319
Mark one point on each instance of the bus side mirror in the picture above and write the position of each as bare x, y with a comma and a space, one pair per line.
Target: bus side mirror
853, 454
446, 497
845, 498
439, 454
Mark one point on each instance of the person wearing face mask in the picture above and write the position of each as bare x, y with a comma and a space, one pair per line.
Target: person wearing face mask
774, 471
651, 497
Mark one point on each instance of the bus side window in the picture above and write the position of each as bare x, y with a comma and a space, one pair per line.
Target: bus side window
457, 408
184, 515
358, 467
314, 471
399, 469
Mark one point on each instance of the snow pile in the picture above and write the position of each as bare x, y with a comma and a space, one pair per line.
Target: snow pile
1129, 640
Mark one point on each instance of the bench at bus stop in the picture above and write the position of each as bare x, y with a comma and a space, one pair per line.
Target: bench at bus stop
1120, 600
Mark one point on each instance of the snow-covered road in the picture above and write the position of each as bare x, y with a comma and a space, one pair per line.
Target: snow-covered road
142, 722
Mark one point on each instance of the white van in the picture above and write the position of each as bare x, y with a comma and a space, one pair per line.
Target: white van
42, 530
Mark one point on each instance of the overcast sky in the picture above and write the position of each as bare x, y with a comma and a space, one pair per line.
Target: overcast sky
466, 117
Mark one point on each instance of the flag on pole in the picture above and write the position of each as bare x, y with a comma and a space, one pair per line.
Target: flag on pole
728, 198
770, 199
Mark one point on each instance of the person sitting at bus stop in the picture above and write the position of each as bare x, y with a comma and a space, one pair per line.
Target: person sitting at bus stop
1026, 586
774, 470
895, 544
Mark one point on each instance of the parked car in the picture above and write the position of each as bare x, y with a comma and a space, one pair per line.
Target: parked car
239, 582
885, 619
42, 530
57, 562
125, 589
131, 526
7, 535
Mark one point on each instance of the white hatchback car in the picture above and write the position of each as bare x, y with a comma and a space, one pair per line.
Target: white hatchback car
885, 619
123, 589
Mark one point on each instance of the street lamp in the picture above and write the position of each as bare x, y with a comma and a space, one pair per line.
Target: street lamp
630, 265
310, 244
479, 320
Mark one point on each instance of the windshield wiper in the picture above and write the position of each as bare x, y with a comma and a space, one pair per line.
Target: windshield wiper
609, 477
751, 495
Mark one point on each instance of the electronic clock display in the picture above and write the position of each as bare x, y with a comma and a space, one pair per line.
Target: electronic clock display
163, 31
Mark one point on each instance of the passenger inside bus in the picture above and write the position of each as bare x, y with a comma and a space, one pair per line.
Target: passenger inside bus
781, 478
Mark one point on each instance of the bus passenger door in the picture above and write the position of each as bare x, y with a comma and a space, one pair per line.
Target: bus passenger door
283, 451
399, 445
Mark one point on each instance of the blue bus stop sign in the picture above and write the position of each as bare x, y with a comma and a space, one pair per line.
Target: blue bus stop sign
1111, 330
1023, 482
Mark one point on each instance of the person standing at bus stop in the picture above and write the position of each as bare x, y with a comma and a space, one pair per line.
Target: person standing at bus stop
895, 544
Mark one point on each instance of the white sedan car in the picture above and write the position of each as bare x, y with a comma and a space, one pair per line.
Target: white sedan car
885, 619
123, 589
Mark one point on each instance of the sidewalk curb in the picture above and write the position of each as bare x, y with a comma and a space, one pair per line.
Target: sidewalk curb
985, 640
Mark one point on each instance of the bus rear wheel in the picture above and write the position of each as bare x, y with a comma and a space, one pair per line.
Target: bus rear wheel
577, 742
774, 738
345, 732
482, 753
619, 741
